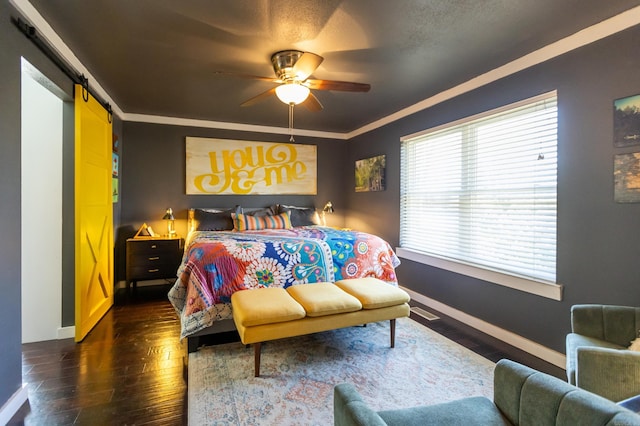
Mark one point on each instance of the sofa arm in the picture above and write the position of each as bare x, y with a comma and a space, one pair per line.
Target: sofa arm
575, 341
350, 410
611, 373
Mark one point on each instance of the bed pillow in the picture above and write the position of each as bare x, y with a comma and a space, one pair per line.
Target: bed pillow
267, 211
300, 216
243, 222
210, 220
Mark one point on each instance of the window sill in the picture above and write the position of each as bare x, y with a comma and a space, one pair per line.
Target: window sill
539, 288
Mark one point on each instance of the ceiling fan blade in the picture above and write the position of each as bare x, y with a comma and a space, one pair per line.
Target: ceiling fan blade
344, 86
306, 65
312, 103
250, 76
262, 96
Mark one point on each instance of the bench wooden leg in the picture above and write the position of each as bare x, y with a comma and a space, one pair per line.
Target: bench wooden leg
256, 355
392, 327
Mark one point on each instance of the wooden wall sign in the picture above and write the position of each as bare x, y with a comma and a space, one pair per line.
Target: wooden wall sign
224, 166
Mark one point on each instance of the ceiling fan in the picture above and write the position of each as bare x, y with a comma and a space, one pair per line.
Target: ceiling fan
293, 69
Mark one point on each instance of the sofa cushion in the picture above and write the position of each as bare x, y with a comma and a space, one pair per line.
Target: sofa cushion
374, 293
476, 410
611, 373
323, 299
265, 306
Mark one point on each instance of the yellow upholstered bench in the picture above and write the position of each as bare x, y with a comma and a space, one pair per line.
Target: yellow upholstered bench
275, 313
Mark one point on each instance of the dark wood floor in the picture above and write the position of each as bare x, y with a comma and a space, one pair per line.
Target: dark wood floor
129, 370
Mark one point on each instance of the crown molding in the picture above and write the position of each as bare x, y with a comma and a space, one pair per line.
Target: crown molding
579, 39
188, 122
582, 38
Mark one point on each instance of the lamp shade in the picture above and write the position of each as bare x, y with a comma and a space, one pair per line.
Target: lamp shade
168, 215
292, 93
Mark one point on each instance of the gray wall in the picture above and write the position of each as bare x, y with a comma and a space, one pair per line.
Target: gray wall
10, 355
153, 178
598, 240
13, 45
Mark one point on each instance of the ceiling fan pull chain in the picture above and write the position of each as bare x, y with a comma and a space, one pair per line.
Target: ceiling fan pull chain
291, 139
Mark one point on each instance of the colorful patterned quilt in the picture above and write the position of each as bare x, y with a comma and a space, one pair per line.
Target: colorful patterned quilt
218, 263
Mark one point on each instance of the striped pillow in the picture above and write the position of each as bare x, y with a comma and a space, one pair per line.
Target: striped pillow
243, 222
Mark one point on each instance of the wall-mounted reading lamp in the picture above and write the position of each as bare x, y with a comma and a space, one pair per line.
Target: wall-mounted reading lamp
328, 208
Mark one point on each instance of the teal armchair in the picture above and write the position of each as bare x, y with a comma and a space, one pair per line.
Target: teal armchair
597, 355
521, 396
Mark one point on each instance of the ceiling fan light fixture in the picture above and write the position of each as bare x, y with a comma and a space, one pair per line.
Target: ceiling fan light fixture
292, 93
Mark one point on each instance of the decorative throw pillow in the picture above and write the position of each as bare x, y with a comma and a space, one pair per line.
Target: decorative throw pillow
209, 220
635, 345
243, 222
300, 216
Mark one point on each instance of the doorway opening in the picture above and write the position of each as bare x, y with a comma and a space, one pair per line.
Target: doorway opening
42, 144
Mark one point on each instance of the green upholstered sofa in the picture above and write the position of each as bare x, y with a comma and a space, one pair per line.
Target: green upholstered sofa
597, 359
521, 396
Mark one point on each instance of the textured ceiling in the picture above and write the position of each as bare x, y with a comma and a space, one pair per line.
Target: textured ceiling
160, 57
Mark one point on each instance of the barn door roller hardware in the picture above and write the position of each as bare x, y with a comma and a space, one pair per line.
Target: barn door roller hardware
32, 34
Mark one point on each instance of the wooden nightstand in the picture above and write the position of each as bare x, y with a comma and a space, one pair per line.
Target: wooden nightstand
153, 258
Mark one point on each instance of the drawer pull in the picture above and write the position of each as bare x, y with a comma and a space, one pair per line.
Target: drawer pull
154, 258
154, 246
154, 270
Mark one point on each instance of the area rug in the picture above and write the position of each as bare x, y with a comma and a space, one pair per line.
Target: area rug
297, 375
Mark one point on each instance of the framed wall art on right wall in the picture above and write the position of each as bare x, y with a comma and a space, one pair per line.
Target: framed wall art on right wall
626, 121
370, 174
626, 173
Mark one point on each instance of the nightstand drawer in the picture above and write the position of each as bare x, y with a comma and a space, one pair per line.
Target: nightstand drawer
153, 271
144, 247
153, 261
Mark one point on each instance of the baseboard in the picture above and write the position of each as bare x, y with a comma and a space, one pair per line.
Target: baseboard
553, 357
66, 332
11, 407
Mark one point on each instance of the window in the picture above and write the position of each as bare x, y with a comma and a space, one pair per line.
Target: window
481, 191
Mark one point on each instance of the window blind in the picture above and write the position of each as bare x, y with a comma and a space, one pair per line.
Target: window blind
482, 191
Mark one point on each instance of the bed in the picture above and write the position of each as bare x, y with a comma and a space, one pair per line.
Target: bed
228, 250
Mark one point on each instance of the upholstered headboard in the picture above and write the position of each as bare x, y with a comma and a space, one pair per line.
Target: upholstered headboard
299, 215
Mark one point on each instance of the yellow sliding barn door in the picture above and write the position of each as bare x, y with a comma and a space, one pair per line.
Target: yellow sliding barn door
93, 213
